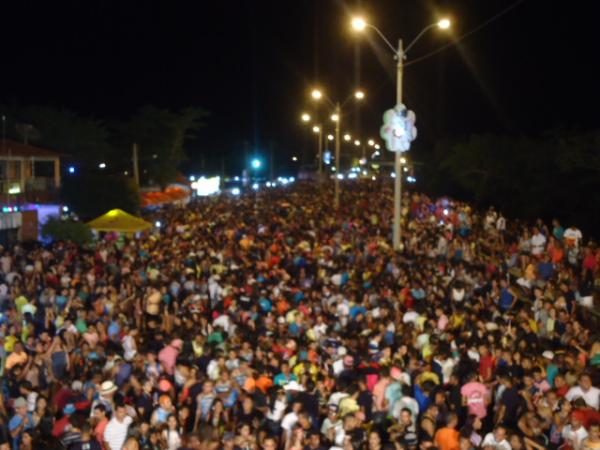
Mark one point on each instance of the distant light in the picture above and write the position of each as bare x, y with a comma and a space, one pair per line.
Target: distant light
393, 174
377, 147
125, 173
340, 176
256, 163
15, 189
347, 137
377, 153
291, 179
411, 179
402, 160
365, 173
352, 176
316, 129
330, 137
236, 178
316, 94
445, 212
283, 181
371, 142
305, 117
235, 191
192, 178
65, 208
335, 117
444, 24
357, 142
406, 169
294, 158
359, 95
207, 186
373, 178
71, 169
155, 156
359, 24
268, 184
102, 165
362, 161
333, 168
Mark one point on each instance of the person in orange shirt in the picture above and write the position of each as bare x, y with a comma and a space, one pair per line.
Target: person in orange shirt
447, 438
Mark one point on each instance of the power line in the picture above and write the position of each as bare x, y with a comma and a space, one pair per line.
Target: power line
466, 35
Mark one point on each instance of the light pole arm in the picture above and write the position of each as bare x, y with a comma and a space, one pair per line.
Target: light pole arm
382, 36
419, 36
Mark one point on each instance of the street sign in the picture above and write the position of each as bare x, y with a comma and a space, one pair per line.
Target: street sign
398, 129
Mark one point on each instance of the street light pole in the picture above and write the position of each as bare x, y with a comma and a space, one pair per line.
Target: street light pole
338, 114
397, 227
320, 153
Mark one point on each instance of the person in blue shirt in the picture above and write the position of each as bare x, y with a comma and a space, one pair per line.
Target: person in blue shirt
507, 299
20, 422
285, 376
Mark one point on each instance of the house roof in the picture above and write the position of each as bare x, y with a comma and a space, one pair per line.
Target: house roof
17, 149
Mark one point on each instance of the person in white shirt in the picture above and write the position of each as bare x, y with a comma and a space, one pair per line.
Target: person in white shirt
574, 434
497, 439
538, 242
585, 390
572, 237
116, 429
129, 345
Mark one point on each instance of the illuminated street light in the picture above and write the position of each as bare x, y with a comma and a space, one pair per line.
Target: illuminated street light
102, 165
256, 163
347, 137
444, 24
359, 95
335, 117
294, 158
316, 129
403, 160
357, 142
371, 142
377, 146
359, 24
316, 94
330, 137
305, 117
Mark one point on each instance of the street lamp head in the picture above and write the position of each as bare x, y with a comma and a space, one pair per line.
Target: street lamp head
357, 142
359, 95
444, 24
335, 117
347, 137
359, 24
330, 137
316, 129
377, 146
371, 142
305, 117
316, 94
402, 160
256, 163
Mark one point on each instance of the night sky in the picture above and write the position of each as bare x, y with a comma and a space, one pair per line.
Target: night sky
252, 65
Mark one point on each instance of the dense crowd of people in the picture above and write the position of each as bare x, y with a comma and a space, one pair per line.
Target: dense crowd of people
272, 321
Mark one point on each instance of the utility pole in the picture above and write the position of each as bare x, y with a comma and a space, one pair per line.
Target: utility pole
136, 169
320, 153
398, 156
338, 113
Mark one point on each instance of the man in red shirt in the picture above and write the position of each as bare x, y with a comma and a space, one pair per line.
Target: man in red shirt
487, 364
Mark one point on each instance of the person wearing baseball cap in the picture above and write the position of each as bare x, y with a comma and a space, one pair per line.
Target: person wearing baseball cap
20, 422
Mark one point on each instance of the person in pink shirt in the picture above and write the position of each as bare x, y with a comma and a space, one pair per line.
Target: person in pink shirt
379, 391
168, 355
476, 396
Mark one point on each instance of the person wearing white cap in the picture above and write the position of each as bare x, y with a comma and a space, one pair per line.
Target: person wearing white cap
20, 422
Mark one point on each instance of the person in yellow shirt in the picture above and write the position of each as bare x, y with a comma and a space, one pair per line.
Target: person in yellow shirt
18, 356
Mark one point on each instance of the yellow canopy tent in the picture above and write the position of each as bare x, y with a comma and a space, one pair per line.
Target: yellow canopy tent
120, 221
